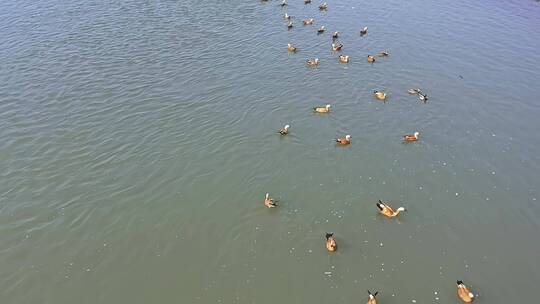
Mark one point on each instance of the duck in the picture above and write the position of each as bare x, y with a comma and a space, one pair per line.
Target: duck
370, 59
313, 62
414, 91
283, 3
285, 130
464, 293
411, 138
344, 141
384, 54
321, 30
331, 243
307, 1
289, 25
379, 95
309, 21
337, 47
335, 35
291, 48
423, 97
323, 6
372, 299
269, 202
388, 211
287, 16
364, 31
325, 109
343, 59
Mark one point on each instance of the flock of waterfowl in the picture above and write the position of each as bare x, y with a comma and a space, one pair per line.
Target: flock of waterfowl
464, 293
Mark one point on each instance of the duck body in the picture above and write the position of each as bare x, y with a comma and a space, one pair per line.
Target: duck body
309, 21
307, 1
370, 59
323, 6
423, 97
379, 95
344, 141
372, 297
284, 130
331, 244
414, 91
321, 30
284, 3
290, 25
464, 293
313, 62
384, 54
287, 17
411, 138
386, 210
344, 59
335, 35
325, 109
291, 48
364, 31
268, 202
337, 47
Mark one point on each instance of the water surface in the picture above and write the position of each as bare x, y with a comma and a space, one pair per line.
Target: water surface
137, 140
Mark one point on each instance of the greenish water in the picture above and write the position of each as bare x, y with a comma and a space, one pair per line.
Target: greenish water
137, 140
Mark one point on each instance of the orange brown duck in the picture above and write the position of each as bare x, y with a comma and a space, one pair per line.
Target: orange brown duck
344, 59
284, 130
386, 210
291, 48
325, 109
344, 141
269, 202
337, 47
309, 21
331, 244
372, 297
464, 293
411, 138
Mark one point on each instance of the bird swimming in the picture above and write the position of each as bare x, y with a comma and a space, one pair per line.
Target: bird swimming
345, 140
384, 54
291, 48
335, 35
268, 202
321, 30
379, 95
464, 293
343, 59
386, 210
331, 244
414, 91
337, 47
364, 31
411, 138
423, 97
289, 25
285, 130
309, 21
323, 6
372, 299
313, 62
325, 109
283, 3
370, 59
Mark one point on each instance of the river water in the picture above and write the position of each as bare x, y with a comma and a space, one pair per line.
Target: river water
138, 138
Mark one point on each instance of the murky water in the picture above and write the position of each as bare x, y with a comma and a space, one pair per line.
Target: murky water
137, 140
